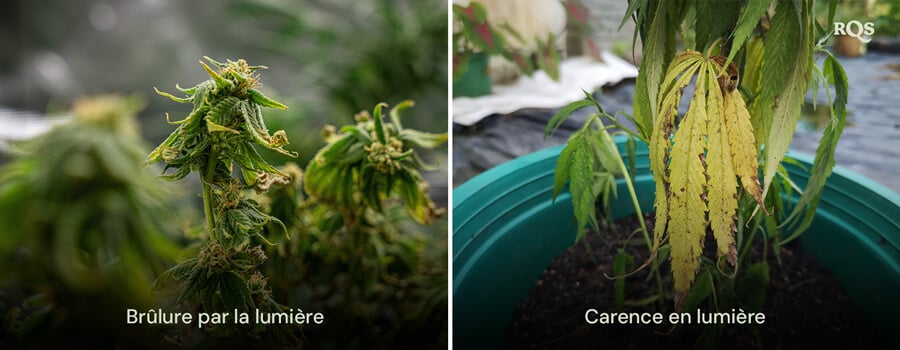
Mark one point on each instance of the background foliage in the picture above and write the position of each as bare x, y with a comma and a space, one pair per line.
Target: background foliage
86, 230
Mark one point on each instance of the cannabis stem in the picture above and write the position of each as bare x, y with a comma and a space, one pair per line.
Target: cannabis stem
206, 181
637, 208
634, 200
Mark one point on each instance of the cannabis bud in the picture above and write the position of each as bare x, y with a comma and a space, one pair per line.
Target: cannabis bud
220, 131
364, 164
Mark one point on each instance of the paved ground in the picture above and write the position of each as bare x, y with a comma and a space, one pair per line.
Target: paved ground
870, 144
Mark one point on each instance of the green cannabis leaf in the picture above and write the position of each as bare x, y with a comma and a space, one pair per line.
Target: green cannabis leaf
591, 162
824, 161
750, 15
581, 172
659, 46
784, 78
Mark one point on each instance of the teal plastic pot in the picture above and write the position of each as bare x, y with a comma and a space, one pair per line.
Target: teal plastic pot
475, 81
507, 229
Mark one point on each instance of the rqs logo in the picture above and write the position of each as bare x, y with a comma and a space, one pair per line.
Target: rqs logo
856, 29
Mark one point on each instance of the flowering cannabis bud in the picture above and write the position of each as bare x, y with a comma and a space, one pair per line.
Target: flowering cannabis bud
368, 162
220, 131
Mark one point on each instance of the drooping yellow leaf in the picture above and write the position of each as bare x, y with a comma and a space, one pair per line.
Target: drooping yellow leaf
661, 203
679, 75
743, 145
687, 204
722, 181
697, 171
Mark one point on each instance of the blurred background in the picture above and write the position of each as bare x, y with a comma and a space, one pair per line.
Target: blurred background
327, 59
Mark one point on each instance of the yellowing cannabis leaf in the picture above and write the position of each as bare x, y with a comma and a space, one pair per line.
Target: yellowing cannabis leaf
740, 136
687, 204
697, 169
723, 181
679, 75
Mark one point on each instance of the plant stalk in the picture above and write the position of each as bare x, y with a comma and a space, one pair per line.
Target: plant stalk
637, 206
206, 182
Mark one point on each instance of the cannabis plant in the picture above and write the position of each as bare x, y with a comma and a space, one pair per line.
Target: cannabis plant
85, 231
717, 166
221, 131
366, 163
357, 250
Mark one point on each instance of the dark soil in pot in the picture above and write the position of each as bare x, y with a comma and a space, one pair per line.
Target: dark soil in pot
806, 307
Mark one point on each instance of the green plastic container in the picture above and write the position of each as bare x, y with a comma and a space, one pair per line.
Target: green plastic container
506, 230
475, 81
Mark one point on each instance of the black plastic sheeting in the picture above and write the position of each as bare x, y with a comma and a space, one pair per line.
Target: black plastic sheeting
499, 138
